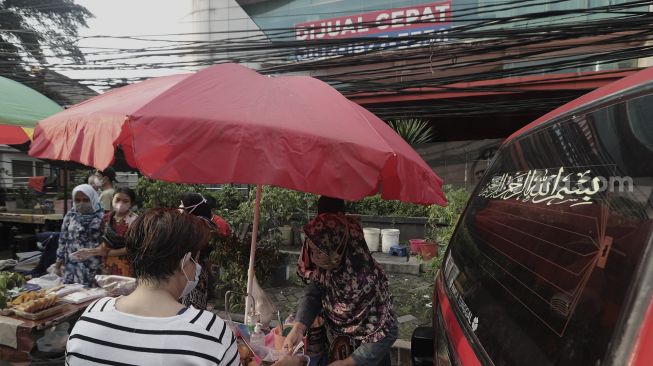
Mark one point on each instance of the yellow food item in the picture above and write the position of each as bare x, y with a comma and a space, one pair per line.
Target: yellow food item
27, 297
252, 363
37, 304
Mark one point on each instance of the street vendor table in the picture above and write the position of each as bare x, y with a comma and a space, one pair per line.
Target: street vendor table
28, 329
30, 218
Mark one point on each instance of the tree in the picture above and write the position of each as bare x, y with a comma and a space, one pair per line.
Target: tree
31, 30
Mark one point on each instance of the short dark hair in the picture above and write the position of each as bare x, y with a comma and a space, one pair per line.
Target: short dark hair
193, 198
327, 204
212, 202
109, 173
128, 191
159, 239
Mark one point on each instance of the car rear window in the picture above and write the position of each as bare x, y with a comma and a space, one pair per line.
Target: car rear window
543, 258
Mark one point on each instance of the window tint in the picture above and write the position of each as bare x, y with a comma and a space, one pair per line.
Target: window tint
543, 258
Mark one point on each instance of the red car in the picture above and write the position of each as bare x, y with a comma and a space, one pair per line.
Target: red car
552, 261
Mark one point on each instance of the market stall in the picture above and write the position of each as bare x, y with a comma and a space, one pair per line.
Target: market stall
36, 315
292, 132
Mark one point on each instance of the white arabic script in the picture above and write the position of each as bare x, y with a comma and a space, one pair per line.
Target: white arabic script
544, 186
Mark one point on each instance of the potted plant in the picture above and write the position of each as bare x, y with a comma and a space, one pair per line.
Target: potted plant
442, 221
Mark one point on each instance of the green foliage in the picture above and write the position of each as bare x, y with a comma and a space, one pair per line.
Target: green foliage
279, 206
8, 281
26, 196
413, 130
375, 205
232, 257
442, 220
228, 197
155, 193
434, 265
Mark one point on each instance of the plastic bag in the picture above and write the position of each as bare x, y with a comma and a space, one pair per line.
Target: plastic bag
47, 282
116, 285
84, 295
265, 308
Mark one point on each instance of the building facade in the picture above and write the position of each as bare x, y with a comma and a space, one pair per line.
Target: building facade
478, 70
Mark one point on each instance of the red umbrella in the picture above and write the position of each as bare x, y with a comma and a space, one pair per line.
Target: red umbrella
229, 124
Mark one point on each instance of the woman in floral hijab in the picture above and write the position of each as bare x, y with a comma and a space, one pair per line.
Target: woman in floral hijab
346, 285
80, 230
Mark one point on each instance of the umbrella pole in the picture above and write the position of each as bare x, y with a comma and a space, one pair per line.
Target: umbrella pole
252, 250
65, 189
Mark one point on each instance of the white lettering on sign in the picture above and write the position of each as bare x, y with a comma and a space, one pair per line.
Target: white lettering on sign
544, 186
376, 22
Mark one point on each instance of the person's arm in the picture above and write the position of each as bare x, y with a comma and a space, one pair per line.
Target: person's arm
96, 245
310, 305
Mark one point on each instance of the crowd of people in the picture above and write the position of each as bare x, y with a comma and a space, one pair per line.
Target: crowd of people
165, 320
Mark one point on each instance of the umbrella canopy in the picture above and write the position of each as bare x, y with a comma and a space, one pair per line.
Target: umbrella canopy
229, 124
20, 108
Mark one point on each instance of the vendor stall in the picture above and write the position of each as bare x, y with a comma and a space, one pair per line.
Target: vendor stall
36, 315
53, 221
18, 335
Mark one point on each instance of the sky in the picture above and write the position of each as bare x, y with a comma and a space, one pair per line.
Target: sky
131, 18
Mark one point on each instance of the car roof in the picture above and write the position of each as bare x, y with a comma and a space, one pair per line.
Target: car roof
642, 77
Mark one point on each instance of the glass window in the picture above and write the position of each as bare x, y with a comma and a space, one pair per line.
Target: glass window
542, 261
21, 170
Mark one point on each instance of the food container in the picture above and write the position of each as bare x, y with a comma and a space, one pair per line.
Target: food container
54, 309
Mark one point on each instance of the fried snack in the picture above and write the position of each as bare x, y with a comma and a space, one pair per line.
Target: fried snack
27, 297
37, 304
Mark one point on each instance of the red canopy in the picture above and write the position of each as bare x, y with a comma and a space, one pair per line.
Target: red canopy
229, 124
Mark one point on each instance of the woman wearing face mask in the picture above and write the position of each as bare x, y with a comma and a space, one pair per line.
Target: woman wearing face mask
348, 287
80, 230
150, 326
114, 227
196, 205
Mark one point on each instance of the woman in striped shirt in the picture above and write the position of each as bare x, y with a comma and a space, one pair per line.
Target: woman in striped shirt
150, 326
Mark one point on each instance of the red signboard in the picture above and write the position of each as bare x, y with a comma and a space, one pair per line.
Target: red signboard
398, 22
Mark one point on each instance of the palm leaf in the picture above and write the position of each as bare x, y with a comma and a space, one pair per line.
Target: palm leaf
413, 130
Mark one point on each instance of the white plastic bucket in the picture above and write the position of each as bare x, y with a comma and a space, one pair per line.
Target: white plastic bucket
389, 238
372, 235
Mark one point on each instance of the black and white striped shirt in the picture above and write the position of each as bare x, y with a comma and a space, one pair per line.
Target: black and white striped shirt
106, 336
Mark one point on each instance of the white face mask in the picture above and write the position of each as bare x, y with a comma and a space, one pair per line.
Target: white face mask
190, 285
121, 208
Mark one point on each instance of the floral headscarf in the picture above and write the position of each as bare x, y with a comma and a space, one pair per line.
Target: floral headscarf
355, 295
